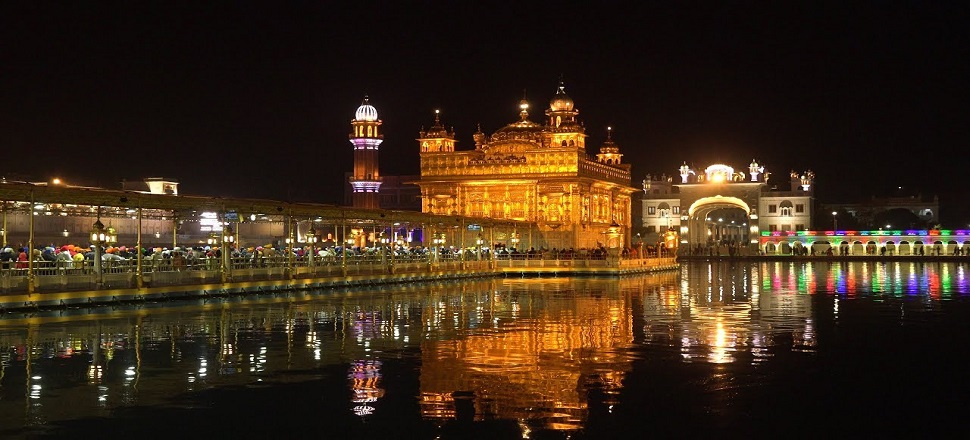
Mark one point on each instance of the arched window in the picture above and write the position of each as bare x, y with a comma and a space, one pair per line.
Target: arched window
786, 209
369, 131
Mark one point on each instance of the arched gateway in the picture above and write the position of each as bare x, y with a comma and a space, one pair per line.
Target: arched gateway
720, 207
702, 227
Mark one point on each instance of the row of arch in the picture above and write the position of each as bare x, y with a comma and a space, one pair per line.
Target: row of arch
857, 247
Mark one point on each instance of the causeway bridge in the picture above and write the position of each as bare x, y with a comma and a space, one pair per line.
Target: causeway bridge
73, 246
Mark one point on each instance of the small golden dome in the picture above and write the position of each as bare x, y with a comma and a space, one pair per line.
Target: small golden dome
561, 102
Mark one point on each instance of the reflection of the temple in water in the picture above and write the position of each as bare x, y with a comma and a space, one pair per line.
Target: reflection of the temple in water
530, 350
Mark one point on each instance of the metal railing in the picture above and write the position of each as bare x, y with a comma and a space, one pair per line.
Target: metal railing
49, 276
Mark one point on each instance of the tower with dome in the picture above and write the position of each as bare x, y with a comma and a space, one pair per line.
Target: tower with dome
366, 139
532, 171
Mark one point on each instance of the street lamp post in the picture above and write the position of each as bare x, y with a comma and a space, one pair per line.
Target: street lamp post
438, 241
394, 245
213, 244
311, 239
97, 238
227, 242
384, 241
111, 236
290, 254
835, 220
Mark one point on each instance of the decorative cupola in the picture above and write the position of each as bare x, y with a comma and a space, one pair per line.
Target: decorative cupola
807, 179
609, 152
754, 170
685, 172
563, 127
479, 138
437, 139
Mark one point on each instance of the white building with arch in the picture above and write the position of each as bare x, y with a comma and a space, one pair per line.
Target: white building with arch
719, 206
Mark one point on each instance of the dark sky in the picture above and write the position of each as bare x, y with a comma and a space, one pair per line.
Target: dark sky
254, 99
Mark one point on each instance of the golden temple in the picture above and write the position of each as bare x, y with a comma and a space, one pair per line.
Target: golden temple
533, 172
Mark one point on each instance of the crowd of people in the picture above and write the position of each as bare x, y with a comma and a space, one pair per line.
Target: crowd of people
188, 257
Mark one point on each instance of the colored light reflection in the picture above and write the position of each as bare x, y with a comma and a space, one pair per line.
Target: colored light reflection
526, 350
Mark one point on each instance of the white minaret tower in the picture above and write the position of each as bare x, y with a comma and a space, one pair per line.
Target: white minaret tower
366, 179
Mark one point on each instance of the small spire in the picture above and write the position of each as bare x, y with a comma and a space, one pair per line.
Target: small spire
437, 117
609, 133
562, 86
524, 106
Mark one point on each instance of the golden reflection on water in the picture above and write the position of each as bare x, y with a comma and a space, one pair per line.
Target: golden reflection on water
532, 356
529, 350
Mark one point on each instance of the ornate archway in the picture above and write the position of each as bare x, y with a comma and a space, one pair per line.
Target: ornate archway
697, 217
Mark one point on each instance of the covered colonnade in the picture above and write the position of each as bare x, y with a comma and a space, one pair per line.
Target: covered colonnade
63, 238
935, 242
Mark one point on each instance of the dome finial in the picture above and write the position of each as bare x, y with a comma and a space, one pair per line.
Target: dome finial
609, 133
524, 107
437, 117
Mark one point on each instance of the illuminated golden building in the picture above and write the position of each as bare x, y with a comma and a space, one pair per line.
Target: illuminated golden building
533, 172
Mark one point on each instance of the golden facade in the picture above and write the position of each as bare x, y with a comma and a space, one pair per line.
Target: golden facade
532, 172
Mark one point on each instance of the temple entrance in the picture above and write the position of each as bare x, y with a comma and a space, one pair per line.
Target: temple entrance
719, 226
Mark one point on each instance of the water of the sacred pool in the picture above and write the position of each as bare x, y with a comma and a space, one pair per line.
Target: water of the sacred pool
774, 349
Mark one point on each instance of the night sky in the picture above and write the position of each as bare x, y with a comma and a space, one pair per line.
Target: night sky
254, 99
